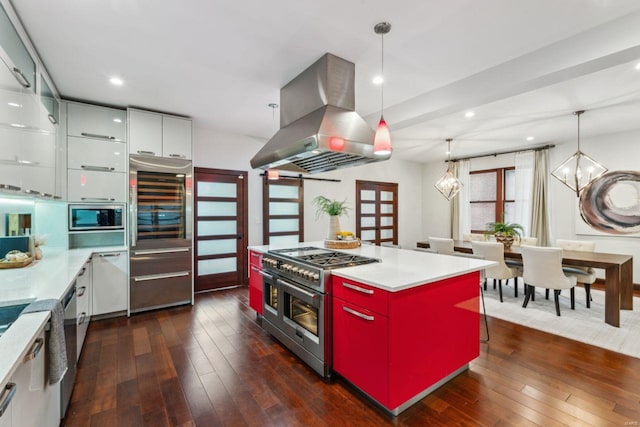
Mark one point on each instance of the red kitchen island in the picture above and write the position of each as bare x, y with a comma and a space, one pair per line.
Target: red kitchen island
404, 327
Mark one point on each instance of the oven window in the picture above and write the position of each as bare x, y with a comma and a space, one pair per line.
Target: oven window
303, 314
271, 297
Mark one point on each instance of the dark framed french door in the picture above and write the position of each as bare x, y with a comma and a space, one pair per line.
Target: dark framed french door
220, 228
377, 211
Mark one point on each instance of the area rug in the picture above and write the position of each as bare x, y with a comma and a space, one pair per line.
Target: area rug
582, 324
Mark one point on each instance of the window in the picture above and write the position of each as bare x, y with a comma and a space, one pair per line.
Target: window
377, 212
282, 211
492, 194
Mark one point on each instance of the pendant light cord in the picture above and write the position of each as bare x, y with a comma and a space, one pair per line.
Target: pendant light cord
578, 131
382, 74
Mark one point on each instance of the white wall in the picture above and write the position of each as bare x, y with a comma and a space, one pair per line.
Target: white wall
214, 149
619, 151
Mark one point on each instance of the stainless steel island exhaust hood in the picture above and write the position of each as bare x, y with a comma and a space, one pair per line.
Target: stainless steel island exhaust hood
319, 128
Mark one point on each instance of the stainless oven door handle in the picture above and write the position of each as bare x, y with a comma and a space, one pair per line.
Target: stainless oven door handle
358, 288
161, 251
262, 273
160, 276
293, 288
358, 314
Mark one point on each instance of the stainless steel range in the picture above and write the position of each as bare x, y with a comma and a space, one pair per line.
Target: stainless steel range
297, 307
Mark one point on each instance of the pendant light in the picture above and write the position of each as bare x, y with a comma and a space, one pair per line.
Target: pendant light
382, 139
449, 185
579, 170
273, 174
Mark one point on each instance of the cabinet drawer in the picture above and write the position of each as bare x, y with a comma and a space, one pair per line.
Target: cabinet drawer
156, 291
90, 121
94, 154
365, 296
255, 259
93, 186
146, 262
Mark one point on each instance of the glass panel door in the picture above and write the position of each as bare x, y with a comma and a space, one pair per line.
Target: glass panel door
220, 224
161, 206
377, 212
283, 212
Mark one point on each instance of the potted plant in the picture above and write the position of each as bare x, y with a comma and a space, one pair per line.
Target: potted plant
505, 232
335, 209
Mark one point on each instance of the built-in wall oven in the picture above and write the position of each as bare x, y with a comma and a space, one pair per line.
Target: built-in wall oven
161, 223
297, 303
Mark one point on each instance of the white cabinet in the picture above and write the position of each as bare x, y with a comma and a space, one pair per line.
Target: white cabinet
91, 121
35, 402
159, 135
83, 304
109, 282
92, 154
145, 133
15, 55
96, 154
176, 137
95, 186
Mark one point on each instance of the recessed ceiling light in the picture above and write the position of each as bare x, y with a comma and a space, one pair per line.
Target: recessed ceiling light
14, 104
637, 67
116, 81
469, 114
117, 120
531, 138
378, 80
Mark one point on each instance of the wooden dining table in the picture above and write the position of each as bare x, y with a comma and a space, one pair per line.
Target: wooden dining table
618, 281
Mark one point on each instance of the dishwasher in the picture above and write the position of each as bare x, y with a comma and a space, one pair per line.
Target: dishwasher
69, 304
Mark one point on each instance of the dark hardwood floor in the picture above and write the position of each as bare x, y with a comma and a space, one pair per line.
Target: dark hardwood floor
212, 365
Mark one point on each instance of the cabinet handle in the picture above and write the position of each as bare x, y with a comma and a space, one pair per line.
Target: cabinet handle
82, 318
9, 391
9, 187
358, 314
97, 135
358, 288
28, 191
82, 274
161, 251
82, 290
150, 153
160, 276
22, 79
101, 199
33, 353
112, 254
257, 270
52, 119
178, 156
97, 168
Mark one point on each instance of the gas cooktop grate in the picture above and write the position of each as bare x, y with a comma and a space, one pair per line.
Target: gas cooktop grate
324, 258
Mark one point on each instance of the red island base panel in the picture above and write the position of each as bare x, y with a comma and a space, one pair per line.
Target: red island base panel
397, 347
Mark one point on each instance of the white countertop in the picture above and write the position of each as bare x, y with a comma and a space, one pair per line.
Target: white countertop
399, 269
50, 277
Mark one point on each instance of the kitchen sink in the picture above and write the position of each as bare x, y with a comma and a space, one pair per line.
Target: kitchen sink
9, 313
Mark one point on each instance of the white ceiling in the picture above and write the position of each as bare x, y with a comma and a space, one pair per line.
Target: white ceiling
521, 66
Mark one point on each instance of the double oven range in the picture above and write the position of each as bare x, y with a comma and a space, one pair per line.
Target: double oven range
297, 306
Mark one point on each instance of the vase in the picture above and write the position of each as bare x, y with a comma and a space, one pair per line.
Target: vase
505, 239
334, 227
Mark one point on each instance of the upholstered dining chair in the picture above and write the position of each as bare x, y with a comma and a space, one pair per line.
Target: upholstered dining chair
584, 275
494, 251
441, 245
471, 237
543, 268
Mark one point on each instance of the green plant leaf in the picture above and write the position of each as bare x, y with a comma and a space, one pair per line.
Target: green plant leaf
330, 207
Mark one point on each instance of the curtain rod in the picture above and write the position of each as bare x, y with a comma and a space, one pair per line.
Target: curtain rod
303, 177
503, 152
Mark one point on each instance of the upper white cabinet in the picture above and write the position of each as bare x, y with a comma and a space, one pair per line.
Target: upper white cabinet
96, 154
176, 137
159, 135
90, 121
15, 55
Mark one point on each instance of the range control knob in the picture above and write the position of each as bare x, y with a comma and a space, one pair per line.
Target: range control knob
315, 276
